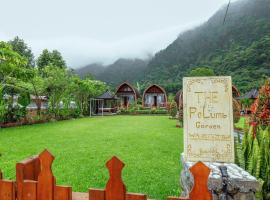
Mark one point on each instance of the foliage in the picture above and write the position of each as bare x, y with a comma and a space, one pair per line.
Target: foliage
261, 107
85, 89
239, 48
47, 58
137, 109
131, 70
12, 65
19, 46
147, 145
247, 102
3, 106
201, 71
68, 95
14, 72
254, 152
56, 82
241, 123
172, 108
254, 155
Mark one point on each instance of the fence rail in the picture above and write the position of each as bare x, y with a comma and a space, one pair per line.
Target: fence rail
35, 181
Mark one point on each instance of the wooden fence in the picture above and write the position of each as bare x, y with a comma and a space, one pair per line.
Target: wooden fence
35, 181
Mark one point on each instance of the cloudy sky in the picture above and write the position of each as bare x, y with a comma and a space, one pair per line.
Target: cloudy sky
87, 31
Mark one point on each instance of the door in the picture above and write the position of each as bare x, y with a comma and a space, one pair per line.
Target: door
155, 101
125, 101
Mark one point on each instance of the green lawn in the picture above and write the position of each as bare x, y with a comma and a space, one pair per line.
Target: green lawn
150, 146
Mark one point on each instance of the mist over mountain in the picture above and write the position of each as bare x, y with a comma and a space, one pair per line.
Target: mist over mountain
223, 47
240, 47
121, 70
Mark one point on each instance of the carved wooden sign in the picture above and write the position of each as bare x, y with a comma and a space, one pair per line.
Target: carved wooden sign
208, 119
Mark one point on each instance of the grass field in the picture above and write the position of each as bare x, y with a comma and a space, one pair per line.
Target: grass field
150, 146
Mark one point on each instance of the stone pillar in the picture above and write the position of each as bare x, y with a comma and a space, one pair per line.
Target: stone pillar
241, 184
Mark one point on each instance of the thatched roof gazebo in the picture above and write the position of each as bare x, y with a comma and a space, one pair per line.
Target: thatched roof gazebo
104, 104
127, 94
154, 96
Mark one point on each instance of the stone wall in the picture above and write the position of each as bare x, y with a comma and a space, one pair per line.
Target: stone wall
241, 185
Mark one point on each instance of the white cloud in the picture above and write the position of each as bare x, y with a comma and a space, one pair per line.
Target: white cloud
79, 51
87, 31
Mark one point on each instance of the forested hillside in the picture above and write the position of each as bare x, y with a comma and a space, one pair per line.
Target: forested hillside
239, 47
131, 70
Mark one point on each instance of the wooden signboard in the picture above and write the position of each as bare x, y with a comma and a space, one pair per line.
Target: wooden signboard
208, 119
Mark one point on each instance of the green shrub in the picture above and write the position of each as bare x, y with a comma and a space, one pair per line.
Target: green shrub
253, 155
172, 109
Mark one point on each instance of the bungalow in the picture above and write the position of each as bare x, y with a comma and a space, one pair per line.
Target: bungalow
127, 94
154, 96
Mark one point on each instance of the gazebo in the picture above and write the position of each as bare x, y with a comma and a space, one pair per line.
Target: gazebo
105, 104
127, 94
154, 96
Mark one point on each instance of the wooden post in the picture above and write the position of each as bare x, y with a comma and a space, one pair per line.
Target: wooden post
46, 180
27, 169
115, 188
63, 193
90, 107
200, 190
7, 190
29, 191
102, 105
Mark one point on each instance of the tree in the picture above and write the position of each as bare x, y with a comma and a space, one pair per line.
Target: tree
85, 89
3, 105
12, 65
44, 59
14, 72
57, 59
53, 58
57, 82
13, 69
201, 71
37, 87
22, 49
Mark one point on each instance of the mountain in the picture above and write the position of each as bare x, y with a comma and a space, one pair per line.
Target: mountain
239, 47
229, 48
92, 69
131, 70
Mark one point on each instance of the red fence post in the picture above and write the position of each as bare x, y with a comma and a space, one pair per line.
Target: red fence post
27, 169
62, 193
7, 190
200, 189
29, 190
115, 188
46, 180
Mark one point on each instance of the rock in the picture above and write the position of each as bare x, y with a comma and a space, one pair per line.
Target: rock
241, 185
